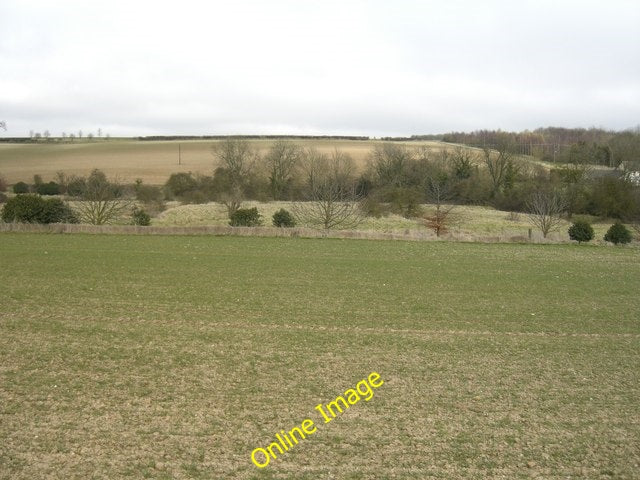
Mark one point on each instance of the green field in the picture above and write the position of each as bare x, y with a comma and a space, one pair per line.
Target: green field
175, 357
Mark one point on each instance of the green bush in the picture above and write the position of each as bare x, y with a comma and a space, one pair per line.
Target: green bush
581, 231
76, 186
180, 184
616, 234
282, 218
245, 217
3, 197
35, 209
56, 211
149, 193
21, 187
51, 188
3, 184
140, 217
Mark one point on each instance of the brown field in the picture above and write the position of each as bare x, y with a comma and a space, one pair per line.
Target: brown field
150, 161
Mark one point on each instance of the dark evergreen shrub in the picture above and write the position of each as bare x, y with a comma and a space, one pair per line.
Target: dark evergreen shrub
51, 188
282, 218
35, 209
245, 217
581, 231
140, 217
23, 208
617, 234
56, 211
21, 187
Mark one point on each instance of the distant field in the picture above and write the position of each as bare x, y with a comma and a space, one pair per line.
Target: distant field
153, 162
174, 357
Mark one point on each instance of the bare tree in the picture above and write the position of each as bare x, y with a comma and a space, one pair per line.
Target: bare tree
545, 210
282, 159
236, 156
236, 159
331, 199
389, 163
102, 200
3, 125
497, 163
439, 191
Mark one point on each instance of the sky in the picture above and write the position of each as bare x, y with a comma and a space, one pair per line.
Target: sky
373, 68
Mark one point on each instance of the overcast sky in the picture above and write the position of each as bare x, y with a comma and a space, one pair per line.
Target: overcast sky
317, 67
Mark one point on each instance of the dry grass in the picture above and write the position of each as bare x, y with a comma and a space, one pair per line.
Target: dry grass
472, 222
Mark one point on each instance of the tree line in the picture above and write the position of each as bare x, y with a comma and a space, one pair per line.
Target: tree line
594, 146
328, 191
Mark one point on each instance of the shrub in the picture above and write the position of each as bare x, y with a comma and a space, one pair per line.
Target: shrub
21, 187
616, 234
35, 209
245, 217
371, 206
56, 211
612, 198
23, 208
140, 217
149, 193
76, 186
3, 197
3, 184
51, 188
581, 231
181, 183
282, 218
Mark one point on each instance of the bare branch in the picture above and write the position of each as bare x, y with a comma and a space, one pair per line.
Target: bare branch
282, 159
545, 210
332, 201
102, 201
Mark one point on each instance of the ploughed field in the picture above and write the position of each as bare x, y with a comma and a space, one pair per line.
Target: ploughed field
178, 356
151, 161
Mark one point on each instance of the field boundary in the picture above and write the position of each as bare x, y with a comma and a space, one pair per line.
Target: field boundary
225, 230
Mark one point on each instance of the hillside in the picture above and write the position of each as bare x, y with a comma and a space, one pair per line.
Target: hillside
154, 161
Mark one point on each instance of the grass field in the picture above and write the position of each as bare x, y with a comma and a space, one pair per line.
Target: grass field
175, 357
152, 161
468, 222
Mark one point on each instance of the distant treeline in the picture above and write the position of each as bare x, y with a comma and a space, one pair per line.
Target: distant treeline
16, 140
558, 135
556, 144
